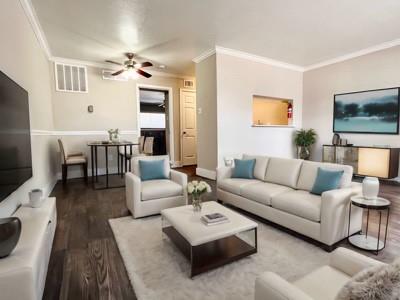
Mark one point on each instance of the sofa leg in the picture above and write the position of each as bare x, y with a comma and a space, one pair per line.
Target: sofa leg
329, 248
220, 201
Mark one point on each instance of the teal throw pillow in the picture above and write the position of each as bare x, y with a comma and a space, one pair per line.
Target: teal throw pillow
326, 180
152, 169
244, 168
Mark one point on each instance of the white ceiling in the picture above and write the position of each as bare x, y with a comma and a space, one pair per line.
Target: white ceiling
173, 32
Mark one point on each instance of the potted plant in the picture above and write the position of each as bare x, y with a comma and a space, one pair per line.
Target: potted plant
304, 139
196, 189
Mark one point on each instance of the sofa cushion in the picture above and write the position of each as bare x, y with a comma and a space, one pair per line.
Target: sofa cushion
152, 169
234, 185
136, 168
299, 203
323, 283
326, 180
283, 171
160, 188
244, 168
309, 170
263, 191
261, 165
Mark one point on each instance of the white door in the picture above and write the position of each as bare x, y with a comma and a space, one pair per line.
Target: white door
188, 127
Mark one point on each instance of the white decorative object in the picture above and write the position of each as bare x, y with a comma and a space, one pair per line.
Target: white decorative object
370, 188
228, 161
196, 189
35, 198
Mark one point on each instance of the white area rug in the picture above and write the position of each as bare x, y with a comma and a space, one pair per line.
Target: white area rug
158, 270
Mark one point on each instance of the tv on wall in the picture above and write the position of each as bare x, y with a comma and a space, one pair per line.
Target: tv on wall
374, 111
15, 137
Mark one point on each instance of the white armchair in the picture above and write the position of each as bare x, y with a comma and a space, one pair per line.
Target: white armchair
323, 283
145, 198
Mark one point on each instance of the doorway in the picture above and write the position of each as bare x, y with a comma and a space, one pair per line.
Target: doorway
155, 117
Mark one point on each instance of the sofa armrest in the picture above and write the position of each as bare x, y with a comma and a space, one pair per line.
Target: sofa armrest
224, 172
350, 262
273, 287
133, 191
335, 214
181, 179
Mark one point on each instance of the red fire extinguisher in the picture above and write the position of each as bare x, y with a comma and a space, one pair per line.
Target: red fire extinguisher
290, 111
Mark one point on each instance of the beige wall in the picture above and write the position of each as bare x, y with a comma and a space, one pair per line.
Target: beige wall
206, 97
373, 71
238, 80
22, 59
115, 106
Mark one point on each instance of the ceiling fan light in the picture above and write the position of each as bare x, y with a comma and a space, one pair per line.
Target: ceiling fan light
138, 65
131, 74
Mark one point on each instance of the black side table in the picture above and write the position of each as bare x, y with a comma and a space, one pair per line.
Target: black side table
363, 240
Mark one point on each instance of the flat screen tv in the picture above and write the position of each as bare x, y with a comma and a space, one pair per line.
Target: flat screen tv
15, 138
374, 111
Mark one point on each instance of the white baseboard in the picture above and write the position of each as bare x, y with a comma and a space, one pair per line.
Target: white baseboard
176, 164
78, 173
206, 173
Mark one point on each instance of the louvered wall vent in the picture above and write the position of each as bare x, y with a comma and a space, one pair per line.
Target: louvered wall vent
71, 78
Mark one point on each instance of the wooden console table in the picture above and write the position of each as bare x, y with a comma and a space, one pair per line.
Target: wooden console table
381, 162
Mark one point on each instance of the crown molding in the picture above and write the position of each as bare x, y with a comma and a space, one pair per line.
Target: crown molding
259, 59
356, 54
37, 28
204, 55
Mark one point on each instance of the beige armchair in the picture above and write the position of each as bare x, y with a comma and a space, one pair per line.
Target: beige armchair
323, 283
145, 198
71, 159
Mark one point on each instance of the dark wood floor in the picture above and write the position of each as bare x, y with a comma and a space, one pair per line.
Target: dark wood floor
85, 262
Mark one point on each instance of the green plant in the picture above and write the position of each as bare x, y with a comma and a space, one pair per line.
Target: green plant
305, 137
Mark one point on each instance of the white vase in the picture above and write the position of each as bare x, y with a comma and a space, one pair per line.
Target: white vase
370, 188
35, 198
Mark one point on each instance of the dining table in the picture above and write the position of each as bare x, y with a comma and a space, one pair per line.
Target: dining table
123, 160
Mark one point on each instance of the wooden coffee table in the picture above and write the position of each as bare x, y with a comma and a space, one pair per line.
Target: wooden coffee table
209, 247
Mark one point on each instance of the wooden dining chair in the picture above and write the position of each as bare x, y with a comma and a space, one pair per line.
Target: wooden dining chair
148, 145
71, 159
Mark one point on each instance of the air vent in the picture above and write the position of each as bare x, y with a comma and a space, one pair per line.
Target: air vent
107, 76
71, 78
188, 83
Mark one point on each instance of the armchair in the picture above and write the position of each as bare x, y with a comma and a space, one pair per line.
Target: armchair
323, 283
145, 198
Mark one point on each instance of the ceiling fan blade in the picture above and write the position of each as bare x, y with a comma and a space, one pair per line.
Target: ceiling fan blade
146, 64
113, 62
143, 73
118, 72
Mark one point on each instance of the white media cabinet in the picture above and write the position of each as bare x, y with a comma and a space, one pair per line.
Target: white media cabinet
23, 272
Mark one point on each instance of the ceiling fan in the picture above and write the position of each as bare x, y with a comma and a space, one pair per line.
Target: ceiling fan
132, 67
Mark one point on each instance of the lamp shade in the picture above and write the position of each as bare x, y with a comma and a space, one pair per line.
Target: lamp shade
373, 162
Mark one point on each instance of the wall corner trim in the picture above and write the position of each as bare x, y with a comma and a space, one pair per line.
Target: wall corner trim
206, 173
36, 27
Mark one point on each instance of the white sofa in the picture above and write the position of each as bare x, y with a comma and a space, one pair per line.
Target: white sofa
323, 283
280, 193
150, 197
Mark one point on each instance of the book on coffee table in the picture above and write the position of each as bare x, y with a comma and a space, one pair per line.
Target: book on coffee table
214, 219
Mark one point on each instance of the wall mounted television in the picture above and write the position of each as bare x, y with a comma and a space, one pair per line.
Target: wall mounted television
373, 111
15, 137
